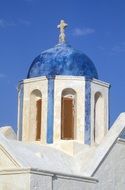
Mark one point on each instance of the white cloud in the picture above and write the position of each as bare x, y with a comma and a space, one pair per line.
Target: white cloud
114, 50
2, 75
101, 48
4, 23
24, 22
83, 31
28, 0
119, 48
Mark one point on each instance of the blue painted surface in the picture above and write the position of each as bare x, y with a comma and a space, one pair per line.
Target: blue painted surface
87, 112
21, 93
62, 60
50, 112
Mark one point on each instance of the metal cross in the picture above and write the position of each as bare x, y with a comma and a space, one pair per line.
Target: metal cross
62, 27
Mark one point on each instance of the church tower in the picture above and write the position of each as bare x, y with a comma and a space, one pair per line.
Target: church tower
62, 98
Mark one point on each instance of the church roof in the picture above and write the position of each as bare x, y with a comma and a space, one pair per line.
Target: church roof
84, 162
62, 60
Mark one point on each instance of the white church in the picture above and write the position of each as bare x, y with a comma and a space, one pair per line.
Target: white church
63, 141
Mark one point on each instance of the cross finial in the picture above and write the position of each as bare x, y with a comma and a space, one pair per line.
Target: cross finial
62, 26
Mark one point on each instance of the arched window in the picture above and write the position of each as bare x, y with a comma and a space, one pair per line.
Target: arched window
98, 118
68, 114
35, 115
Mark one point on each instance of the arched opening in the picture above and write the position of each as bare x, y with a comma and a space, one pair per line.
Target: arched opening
68, 114
35, 115
99, 127
38, 118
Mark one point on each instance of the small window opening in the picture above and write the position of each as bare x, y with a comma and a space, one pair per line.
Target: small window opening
38, 119
68, 114
98, 118
35, 115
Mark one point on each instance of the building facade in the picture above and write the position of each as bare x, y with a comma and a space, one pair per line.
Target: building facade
64, 140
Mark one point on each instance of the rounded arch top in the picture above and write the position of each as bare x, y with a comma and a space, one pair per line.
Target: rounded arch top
36, 93
99, 118
98, 94
68, 91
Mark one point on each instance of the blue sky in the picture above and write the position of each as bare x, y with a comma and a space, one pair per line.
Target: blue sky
97, 27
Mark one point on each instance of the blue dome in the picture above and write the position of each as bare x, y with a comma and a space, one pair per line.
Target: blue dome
62, 60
